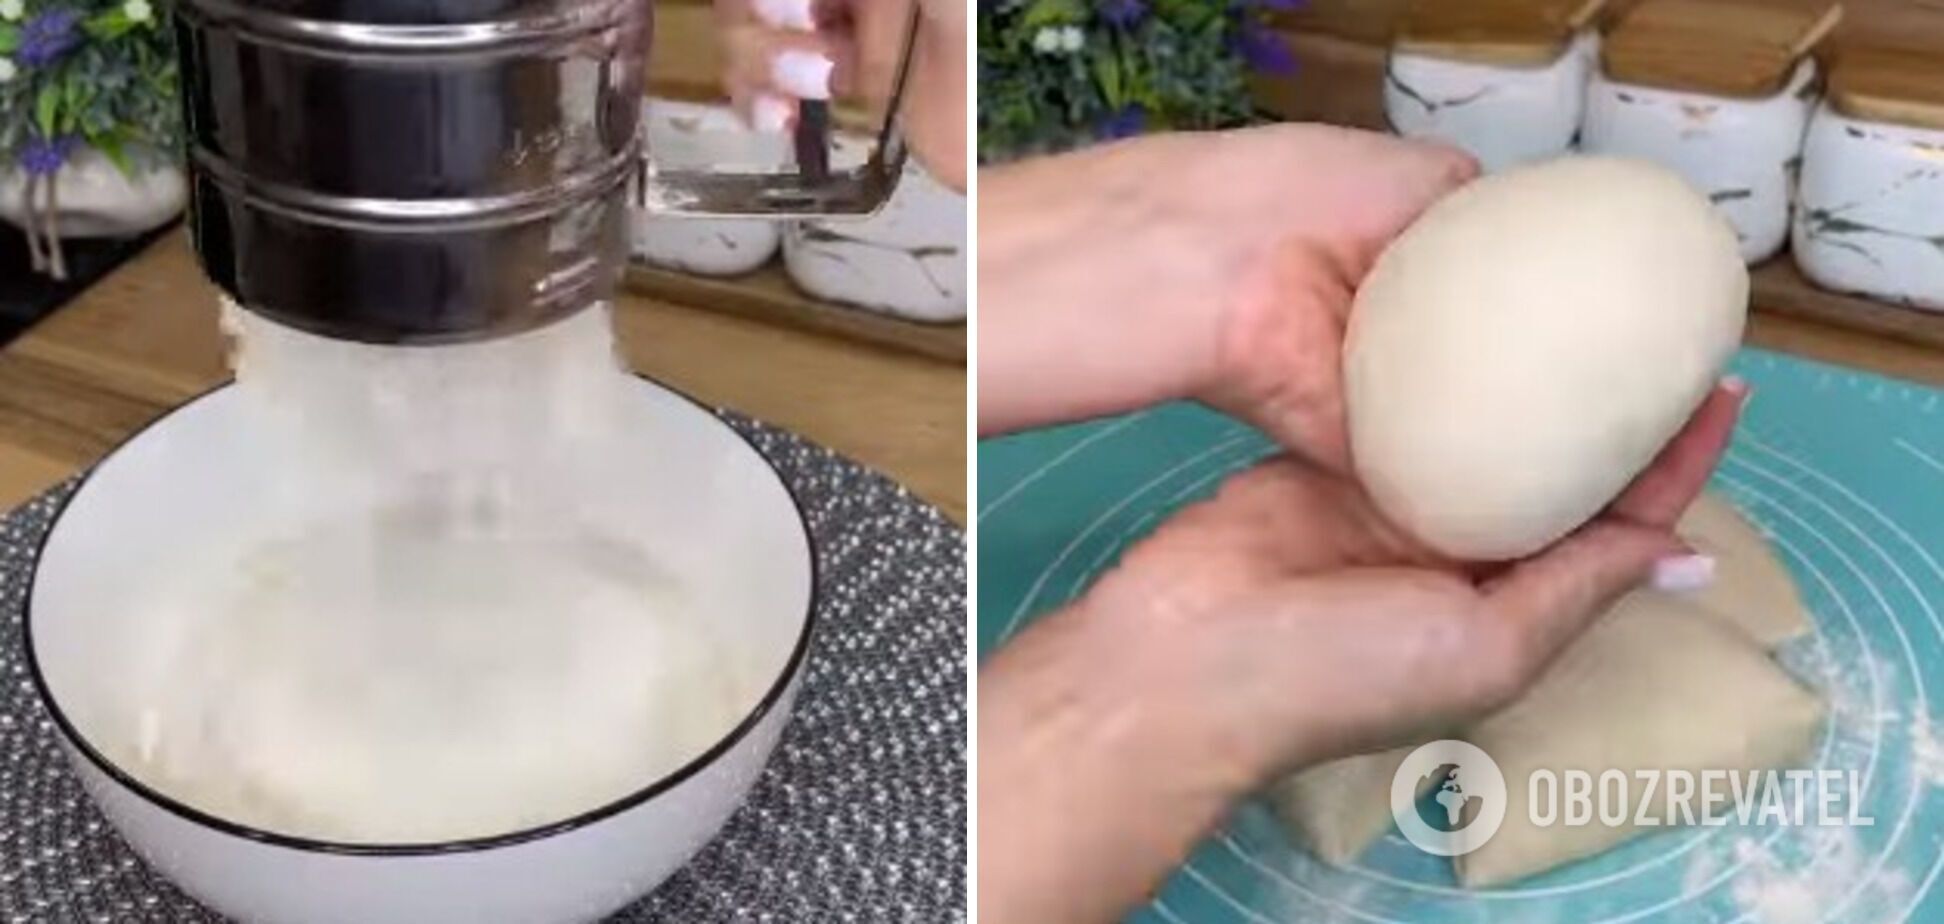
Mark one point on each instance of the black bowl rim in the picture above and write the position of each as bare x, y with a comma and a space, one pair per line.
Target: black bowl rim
769, 701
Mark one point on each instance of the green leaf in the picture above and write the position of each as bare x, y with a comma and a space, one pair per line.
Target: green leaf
74, 101
9, 38
1049, 13
108, 26
1107, 72
47, 108
109, 143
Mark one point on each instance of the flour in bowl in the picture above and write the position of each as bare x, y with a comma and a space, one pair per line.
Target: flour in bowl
430, 636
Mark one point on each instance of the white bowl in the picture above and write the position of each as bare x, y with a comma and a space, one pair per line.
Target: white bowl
728, 522
695, 136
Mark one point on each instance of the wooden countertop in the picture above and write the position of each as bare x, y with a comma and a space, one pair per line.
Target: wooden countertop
144, 339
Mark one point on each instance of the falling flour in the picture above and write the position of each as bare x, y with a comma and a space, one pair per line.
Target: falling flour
430, 636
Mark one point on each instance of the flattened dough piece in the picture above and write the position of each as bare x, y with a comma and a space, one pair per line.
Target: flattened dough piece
1338, 809
1654, 685
1752, 590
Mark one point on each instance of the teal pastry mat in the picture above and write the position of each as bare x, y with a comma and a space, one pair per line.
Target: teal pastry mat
1843, 470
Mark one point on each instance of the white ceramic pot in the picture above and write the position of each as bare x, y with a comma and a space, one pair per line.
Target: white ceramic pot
695, 136
96, 200
907, 260
1505, 116
1870, 215
1742, 153
188, 478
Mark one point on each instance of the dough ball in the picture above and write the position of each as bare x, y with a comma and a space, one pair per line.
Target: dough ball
1654, 685
1525, 348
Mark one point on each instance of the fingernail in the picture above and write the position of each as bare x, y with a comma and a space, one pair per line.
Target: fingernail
786, 14
1683, 573
802, 74
770, 113
1734, 384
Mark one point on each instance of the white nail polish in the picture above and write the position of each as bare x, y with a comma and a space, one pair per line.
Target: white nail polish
802, 74
770, 113
1734, 384
786, 14
1683, 574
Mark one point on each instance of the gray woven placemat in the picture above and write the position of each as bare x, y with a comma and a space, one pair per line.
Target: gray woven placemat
860, 815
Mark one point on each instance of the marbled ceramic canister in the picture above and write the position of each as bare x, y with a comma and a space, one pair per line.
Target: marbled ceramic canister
908, 260
695, 135
1504, 114
1743, 153
1870, 220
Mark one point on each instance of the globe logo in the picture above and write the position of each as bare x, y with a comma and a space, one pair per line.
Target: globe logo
1448, 797
1449, 808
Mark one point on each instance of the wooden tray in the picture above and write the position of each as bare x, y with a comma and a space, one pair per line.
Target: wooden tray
1780, 288
768, 295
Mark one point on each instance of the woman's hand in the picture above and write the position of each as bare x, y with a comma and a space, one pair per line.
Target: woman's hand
783, 51
1279, 624
1217, 266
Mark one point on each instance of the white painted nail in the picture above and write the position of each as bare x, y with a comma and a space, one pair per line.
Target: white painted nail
1683, 573
1734, 384
770, 113
802, 74
787, 14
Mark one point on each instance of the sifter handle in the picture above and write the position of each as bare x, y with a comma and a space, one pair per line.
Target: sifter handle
813, 189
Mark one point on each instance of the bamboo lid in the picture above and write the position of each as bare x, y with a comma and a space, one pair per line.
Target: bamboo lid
1724, 47
1889, 85
1515, 33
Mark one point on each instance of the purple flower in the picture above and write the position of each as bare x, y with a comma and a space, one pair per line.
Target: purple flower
1131, 120
1263, 49
1122, 14
1280, 6
44, 157
48, 36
